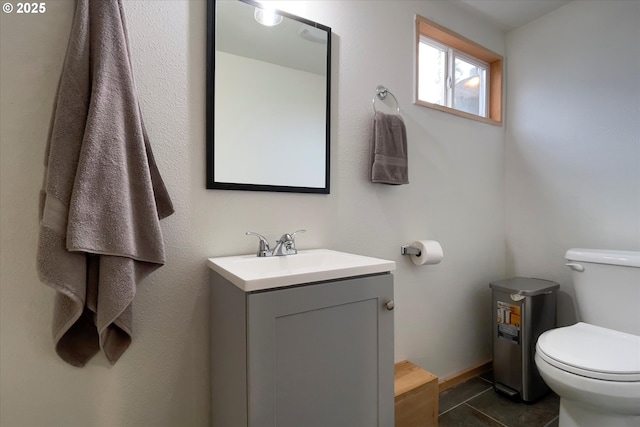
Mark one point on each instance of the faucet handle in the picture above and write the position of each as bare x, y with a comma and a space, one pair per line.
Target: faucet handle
293, 237
263, 249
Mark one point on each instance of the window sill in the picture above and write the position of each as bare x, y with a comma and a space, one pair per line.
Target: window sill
459, 113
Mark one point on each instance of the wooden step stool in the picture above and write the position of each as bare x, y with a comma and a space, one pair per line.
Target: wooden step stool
416, 396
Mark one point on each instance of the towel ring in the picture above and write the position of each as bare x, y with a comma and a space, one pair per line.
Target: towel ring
381, 93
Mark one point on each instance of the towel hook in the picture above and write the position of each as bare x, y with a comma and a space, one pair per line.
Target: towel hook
381, 93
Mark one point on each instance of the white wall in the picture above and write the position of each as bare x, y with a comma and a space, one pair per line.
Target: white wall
455, 196
572, 138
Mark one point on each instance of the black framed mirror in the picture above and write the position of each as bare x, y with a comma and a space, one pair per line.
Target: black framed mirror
268, 99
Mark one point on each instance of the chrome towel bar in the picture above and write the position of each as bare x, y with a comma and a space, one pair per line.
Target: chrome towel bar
381, 94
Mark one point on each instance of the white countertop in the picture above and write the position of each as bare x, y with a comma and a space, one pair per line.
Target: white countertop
252, 273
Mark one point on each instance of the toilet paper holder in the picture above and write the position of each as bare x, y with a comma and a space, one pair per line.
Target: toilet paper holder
410, 250
423, 252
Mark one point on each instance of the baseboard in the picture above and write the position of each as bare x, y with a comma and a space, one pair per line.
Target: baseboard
454, 380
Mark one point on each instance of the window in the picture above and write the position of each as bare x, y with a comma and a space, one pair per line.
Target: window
457, 75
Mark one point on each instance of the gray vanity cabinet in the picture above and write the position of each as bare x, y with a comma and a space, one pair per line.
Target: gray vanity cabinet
317, 355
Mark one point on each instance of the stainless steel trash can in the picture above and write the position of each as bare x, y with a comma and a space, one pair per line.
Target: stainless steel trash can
523, 308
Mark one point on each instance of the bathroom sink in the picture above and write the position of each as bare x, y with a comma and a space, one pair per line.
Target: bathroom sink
252, 273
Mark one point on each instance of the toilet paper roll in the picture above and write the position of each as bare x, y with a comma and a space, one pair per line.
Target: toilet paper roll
430, 252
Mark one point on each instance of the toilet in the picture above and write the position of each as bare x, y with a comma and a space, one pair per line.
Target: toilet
594, 365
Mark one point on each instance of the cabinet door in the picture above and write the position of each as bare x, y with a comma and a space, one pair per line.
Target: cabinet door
322, 355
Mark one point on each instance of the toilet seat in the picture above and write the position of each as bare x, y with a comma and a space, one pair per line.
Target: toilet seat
593, 352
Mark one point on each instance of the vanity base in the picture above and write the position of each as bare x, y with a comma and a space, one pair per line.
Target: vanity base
315, 355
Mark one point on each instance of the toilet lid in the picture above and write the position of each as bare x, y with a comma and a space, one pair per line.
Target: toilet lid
592, 351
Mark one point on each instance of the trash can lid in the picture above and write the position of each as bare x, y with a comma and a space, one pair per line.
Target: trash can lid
525, 286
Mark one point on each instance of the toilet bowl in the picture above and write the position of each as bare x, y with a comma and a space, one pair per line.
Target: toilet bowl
596, 373
594, 365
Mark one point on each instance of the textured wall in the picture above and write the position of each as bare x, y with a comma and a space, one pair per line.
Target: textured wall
455, 196
573, 138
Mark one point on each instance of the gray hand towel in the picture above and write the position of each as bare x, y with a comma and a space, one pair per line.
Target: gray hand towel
103, 196
389, 163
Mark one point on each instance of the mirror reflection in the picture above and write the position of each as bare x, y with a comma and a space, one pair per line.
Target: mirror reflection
268, 121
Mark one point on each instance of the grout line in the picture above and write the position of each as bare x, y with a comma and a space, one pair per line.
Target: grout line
486, 415
486, 380
463, 402
554, 418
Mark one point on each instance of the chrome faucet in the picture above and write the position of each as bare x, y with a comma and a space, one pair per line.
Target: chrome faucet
263, 249
285, 246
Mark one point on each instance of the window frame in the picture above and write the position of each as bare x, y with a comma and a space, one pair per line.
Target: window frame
466, 49
423, 40
484, 99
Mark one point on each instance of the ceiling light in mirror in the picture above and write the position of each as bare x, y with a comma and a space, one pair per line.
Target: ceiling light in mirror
267, 17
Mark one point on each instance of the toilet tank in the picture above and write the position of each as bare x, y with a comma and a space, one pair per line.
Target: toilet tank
607, 287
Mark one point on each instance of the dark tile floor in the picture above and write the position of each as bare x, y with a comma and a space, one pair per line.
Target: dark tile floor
475, 403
